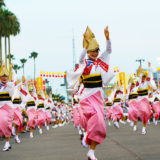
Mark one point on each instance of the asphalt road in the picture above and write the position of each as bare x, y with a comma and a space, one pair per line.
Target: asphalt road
63, 144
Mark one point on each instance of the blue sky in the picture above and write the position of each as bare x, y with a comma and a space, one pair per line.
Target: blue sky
46, 27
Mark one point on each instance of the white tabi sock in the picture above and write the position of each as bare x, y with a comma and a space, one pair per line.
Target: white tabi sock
91, 155
7, 143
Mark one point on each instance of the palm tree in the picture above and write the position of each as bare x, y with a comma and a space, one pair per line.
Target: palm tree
34, 55
2, 24
2, 20
2, 4
11, 56
9, 26
16, 67
15, 29
23, 61
7, 29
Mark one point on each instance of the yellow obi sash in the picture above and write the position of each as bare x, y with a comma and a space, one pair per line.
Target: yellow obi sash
30, 103
117, 100
133, 95
108, 104
142, 92
4, 96
17, 100
156, 99
41, 105
92, 81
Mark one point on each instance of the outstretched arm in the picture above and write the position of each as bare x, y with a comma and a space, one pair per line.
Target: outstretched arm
150, 79
105, 56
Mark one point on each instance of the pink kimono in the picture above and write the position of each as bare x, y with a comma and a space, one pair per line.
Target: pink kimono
6, 109
41, 113
94, 75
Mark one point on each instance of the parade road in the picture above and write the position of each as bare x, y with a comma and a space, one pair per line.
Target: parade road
63, 143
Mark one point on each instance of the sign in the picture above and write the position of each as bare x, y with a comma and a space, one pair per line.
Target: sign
158, 76
53, 74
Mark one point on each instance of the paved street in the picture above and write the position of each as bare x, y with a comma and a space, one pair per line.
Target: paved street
64, 144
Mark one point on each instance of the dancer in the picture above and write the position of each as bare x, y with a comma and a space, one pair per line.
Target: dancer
133, 105
117, 111
6, 106
94, 72
143, 100
18, 119
49, 107
30, 100
41, 110
155, 103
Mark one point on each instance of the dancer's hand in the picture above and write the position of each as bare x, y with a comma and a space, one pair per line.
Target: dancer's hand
31, 82
106, 33
23, 79
149, 64
50, 94
11, 66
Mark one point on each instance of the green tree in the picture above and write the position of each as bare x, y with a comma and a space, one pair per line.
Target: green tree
2, 21
23, 61
11, 56
7, 29
9, 26
34, 55
15, 29
16, 67
2, 24
2, 4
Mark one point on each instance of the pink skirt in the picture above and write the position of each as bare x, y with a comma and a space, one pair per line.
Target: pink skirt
75, 117
156, 108
133, 112
82, 119
144, 110
117, 112
93, 111
109, 112
41, 118
48, 116
6, 119
32, 118
18, 119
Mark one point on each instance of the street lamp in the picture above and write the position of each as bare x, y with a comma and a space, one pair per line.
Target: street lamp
140, 61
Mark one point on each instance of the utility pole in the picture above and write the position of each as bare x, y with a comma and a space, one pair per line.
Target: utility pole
140, 61
74, 52
66, 85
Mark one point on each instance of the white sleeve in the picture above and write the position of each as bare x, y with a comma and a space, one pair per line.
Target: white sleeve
14, 76
152, 84
46, 104
82, 56
11, 88
105, 56
75, 89
128, 90
151, 81
15, 94
111, 96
